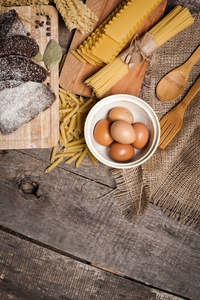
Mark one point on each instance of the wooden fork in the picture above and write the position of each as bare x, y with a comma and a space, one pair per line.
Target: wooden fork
171, 123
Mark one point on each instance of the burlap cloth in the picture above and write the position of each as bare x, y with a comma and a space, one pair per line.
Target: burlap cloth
170, 179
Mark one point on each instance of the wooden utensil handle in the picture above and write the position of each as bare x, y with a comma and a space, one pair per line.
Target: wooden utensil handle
193, 58
189, 96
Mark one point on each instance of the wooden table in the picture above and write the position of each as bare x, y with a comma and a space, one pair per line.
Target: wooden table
58, 244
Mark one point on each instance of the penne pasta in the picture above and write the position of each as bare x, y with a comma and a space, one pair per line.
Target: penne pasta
62, 98
75, 148
61, 142
72, 124
53, 165
83, 106
65, 110
62, 91
64, 137
76, 134
78, 122
65, 154
78, 142
87, 108
80, 159
65, 126
72, 114
81, 100
69, 136
91, 156
53, 154
73, 158
60, 103
73, 97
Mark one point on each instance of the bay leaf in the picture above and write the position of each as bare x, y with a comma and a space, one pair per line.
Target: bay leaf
39, 56
52, 54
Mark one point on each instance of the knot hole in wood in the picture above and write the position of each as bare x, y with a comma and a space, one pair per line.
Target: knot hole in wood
29, 188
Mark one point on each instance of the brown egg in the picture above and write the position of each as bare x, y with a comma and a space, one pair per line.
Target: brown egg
121, 152
102, 133
122, 132
142, 135
120, 113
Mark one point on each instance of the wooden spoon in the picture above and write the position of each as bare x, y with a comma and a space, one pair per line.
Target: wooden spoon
172, 85
171, 123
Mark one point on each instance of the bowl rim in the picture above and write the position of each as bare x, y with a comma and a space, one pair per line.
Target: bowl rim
122, 98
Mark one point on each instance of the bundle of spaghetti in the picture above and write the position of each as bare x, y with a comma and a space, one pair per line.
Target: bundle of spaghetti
76, 14
102, 46
105, 78
177, 20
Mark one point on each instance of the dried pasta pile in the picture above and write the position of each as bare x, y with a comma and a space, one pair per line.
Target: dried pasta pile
23, 2
36, 4
107, 41
174, 22
75, 13
73, 111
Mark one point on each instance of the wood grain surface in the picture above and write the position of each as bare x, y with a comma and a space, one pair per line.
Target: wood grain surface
64, 214
23, 264
56, 228
79, 71
41, 132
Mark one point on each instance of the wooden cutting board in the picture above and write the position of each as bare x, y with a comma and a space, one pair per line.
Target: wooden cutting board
74, 72
43, 131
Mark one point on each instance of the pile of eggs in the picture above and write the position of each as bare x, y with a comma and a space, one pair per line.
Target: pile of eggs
120, 134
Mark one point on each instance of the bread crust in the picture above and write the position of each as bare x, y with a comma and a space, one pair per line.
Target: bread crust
10, 24
15, 67
18, 45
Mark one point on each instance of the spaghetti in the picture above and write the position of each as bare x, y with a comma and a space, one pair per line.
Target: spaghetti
177, 20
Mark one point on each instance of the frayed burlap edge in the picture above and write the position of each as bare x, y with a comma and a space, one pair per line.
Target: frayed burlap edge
171, 197
131, 207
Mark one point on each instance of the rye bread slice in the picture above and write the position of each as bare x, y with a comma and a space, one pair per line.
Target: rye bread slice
21, 104
14, 67
10, 24
18, 45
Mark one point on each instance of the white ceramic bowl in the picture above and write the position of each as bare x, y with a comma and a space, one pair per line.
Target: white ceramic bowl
141, 111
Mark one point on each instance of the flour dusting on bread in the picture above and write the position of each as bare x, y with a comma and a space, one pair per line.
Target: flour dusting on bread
10, 24
15, 67
21, 104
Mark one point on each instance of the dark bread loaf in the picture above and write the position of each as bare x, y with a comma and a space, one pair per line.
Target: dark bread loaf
21, 68
18, 45
21, 104
10, 24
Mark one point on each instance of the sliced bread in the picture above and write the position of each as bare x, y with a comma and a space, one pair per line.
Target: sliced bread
21, 104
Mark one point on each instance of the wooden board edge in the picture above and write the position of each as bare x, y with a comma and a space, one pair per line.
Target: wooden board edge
50, 140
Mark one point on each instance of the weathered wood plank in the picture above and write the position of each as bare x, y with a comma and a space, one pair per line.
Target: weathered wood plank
29, 271
157, 251
99, 172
